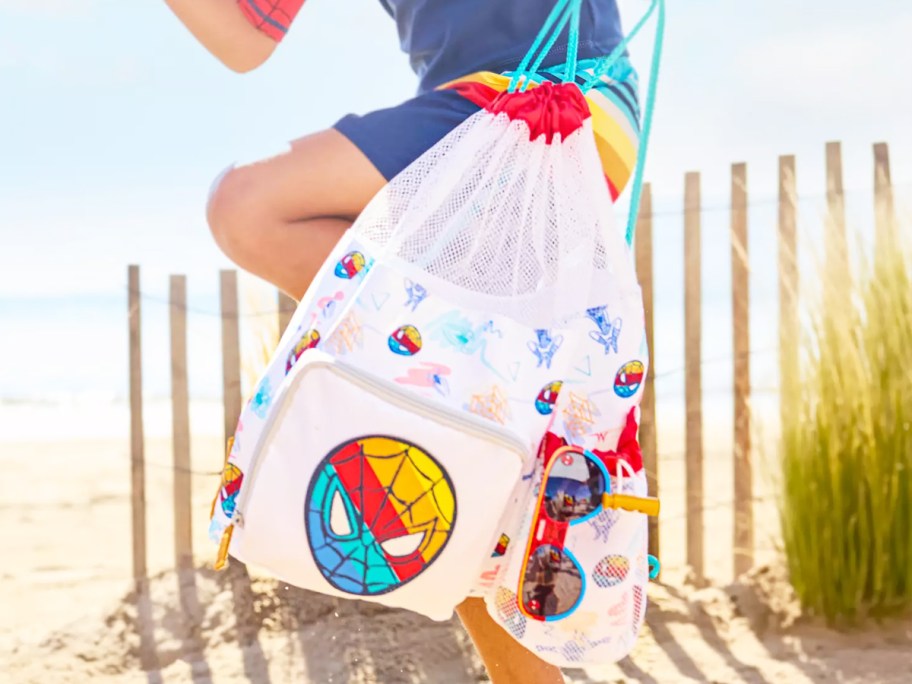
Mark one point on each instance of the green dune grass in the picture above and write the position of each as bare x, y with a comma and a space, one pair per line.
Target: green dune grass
846, 451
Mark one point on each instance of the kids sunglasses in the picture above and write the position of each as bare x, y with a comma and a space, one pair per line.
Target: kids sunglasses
575, 487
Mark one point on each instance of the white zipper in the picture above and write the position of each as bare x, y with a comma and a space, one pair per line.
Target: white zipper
467, 422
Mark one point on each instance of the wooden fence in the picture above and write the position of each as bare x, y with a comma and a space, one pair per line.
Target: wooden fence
742, 509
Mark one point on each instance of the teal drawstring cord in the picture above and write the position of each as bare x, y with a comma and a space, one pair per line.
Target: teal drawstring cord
556, 23
568, 12
647, 125
647, 122
604, 68
573, 43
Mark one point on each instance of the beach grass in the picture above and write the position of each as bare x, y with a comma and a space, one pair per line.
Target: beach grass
846, 452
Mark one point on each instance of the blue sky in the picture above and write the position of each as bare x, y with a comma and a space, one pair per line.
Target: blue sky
113, 121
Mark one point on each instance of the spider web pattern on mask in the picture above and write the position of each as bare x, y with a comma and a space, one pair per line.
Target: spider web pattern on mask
369, 559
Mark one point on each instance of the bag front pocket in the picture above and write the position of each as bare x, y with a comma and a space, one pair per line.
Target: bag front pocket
358, 489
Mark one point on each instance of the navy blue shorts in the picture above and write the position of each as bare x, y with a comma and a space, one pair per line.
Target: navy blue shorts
395, 137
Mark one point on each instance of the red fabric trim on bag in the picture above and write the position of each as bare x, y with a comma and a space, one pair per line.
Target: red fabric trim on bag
548, 109
628, 448
550, 444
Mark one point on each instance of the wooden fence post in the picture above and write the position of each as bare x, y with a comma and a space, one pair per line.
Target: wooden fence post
884, 210
788, 282
693, 376
648, 439
286, 308
231, 351
837, 251
137, 436
231, 393
743, 542
180, 422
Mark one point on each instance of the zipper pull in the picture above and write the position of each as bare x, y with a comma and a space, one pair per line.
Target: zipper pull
221, 559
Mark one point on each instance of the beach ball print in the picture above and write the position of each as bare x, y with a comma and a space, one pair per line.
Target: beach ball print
232, 477
629, 378
639, 608
309, 340
350, 265
507, 608
546, 399
611, 571
405, 341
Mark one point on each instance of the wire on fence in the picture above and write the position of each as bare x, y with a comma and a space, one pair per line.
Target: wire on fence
164, 301
770, 201
773, 201
714, 506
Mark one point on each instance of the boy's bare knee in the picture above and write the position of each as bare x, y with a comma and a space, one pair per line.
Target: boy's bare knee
231, 210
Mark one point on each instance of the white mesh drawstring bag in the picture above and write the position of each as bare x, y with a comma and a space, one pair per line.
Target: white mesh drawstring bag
394, 440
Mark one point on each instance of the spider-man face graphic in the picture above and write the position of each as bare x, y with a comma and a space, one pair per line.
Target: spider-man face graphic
379, 510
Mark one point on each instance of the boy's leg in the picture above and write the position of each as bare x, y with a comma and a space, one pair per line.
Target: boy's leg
506, 661
279, 219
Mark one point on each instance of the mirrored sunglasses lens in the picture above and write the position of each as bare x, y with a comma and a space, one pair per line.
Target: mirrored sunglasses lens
574, 487
552, 584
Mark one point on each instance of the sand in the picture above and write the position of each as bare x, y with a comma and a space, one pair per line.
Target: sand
71, 611
222, 627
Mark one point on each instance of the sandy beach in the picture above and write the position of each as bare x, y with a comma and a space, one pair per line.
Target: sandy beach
71, 612
761, 192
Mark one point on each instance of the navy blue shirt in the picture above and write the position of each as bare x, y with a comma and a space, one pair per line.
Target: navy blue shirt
446, 39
